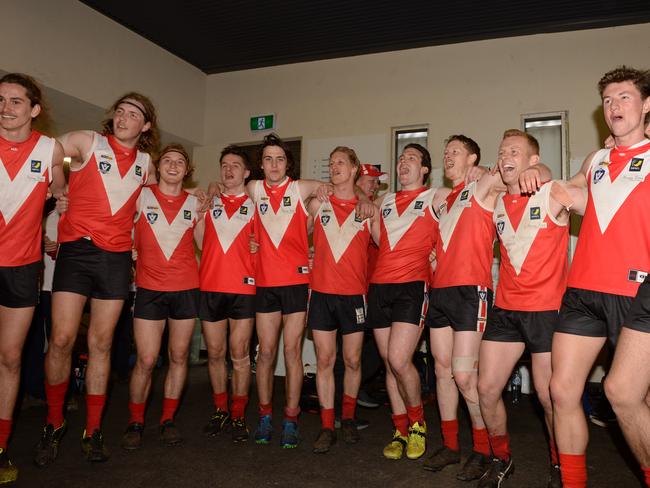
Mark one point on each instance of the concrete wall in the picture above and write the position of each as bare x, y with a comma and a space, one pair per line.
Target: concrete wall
73, 49
477, 88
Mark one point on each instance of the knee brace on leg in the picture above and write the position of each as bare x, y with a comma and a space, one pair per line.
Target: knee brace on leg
464, 364
240, 364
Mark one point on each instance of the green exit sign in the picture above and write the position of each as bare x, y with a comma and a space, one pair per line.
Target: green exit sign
263, 122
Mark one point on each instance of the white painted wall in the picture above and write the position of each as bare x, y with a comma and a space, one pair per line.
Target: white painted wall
76, 50
477, 88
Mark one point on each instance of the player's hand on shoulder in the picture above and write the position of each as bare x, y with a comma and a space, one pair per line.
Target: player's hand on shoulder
365, 209
324, 191
530, 180
475, 173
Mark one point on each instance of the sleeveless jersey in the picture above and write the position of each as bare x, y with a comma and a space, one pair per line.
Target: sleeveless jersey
103, 193
613, 251
25, 174
464, 251
281, 230
407, 236
227, 265
340, 249
164, 239
534, 253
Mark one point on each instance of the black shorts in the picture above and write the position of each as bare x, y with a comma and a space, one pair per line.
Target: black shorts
593, 313
535, 329
638, 317
286, 299
333, 312
84, 268
397, 302
162, 305
216, 306
463, 308
19, 285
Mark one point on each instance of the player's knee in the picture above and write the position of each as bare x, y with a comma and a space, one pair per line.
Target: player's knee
352, 362
217, 354
292, 352
239, 350
99, 344
618, 394
398, 363
443, 370
10, 360
325, 360
178, 356
61, 344
465, 381
488, 391
241, 363
543, 390
147, 362
564, 393
266, 354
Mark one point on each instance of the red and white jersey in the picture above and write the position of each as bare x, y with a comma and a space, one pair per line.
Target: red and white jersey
340, 249
25, 174
407, 236
534, 254
613, 251
102, 193
164, 239
227, 265
464, 251
281, 229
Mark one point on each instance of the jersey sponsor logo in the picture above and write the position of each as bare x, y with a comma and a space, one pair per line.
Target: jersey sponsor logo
286, 201
249, 280
187, 214
386, 212
357, 218
636, 164
303, 269
598, 175
418, 205
324, 219
264, 208
243, 210
535, 213
152, 217
138, 170
104, 167
216, 213
36, 166
464, 195
500, 226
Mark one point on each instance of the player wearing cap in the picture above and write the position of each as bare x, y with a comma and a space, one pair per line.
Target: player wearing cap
227, 310
337, 299
533, 234
107, 173
30, 162
397, 297
167, 280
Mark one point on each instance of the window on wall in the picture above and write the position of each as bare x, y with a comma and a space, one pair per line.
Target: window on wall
402, 136
551, 131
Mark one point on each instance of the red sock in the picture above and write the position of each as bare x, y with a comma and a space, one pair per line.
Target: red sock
415, 414
238, 406
221, 401
136, 412
55, 395
573, 468
348, 408
5, 432
481, 441
401, 423
291, 413
327, 418
169, 409
500, 446
646, 472
554, 459
94, 408
450, 433
265, 409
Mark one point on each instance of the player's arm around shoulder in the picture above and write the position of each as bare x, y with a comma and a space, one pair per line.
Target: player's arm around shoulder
375, 227
488, 188
57, 186
439, 198
572, 195
77, 145
310, 189
312, 211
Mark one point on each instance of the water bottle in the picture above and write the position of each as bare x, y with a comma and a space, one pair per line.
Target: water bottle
515, 388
